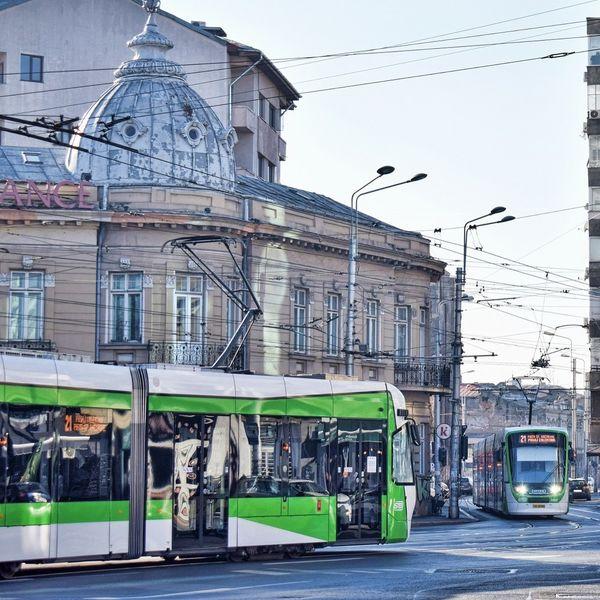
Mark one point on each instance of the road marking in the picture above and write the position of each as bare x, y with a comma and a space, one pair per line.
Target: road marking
258, 572
196, 592
310, 561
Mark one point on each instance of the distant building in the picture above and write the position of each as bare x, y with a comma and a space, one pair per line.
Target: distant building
489, 407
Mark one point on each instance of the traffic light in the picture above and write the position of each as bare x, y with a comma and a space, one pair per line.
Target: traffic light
443, 456
464, 444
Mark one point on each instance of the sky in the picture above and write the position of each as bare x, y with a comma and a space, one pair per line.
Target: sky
508, 135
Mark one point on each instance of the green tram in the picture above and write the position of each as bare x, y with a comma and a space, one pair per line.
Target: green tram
523, 471
106, 462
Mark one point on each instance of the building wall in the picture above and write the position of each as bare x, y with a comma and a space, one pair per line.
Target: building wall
88, 38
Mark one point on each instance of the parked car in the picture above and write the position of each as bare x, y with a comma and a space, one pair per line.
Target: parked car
579, 489
466, 487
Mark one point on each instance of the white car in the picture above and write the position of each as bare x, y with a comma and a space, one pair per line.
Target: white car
592, 484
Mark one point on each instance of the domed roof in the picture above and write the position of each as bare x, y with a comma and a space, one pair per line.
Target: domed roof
165, 132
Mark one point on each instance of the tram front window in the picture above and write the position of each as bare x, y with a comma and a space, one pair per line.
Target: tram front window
537, 462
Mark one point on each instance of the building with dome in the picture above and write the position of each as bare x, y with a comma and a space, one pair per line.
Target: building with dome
86, 265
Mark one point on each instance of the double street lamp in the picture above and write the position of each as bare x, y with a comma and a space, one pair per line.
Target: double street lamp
456, 429
353, 257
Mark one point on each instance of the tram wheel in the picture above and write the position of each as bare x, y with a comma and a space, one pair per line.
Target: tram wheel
238, 556
9, 569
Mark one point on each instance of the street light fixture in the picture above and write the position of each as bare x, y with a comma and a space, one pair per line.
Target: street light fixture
353, 256
456, 429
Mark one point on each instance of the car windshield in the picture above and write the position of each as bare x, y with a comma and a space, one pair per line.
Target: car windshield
577, 482
537, 458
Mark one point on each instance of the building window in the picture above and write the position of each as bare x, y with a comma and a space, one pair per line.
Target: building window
423, 332
234, 312
401, 331
26, 304
595, 198
372, 326
332, 342
594, 50
300, 320
262, 107
126, 307
2, 68
262, 167
189, 308
272, 172
593, 97
594, 151
32, 68
274, 117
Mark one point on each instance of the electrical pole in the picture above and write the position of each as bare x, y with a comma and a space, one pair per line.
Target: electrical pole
456, 429
574, 416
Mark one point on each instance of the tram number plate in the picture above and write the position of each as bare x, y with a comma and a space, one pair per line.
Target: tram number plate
539, 506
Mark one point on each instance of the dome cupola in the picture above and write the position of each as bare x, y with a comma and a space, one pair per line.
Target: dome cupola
161, 132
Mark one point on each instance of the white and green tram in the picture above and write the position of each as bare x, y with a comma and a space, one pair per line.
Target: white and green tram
523, 471
107, 462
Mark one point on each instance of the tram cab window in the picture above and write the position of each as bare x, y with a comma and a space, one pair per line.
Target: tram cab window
259, 463
309, 455
29, 451
85, 454
402, 467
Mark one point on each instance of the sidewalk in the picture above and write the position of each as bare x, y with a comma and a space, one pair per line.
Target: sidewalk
442, 519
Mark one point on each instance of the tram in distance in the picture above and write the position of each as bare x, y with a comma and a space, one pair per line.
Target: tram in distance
523, 471
106, 462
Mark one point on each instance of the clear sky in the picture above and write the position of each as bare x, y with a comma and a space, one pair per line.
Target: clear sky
507, 135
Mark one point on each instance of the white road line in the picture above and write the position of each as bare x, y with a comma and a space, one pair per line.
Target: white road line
263, 572
196, 592
311, 561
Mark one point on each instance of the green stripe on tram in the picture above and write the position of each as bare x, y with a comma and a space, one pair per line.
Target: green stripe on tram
51, 396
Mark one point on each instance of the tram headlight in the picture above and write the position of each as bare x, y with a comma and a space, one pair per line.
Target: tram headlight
521, 489
555, 488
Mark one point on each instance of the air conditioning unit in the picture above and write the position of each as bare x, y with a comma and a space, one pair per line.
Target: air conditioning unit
593, 114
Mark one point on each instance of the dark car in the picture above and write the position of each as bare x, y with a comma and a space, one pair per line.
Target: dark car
579, 489
466, 488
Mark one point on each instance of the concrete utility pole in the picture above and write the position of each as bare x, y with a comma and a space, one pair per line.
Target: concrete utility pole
453, 512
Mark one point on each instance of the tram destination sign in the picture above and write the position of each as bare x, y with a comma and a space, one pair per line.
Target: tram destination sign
538, 439
65, 195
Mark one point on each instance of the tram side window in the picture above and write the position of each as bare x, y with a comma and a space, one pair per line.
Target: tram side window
160, 456
121, 454
402, 467
309, 455
85, 454
259, 467
29, 451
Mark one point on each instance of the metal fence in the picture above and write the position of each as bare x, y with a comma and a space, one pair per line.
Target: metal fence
201, 354
421, 372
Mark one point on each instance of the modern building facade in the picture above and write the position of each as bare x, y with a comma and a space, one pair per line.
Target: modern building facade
87, 268
592, 128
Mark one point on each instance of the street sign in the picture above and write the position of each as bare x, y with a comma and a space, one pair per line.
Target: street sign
443, 431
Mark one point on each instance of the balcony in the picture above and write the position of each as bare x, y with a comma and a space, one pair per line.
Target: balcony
199, 354
39, 345
422, 374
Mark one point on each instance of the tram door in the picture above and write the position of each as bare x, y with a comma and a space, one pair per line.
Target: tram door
201, 481
360, 471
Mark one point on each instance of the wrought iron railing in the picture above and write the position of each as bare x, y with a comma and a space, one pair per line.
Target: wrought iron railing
421, 372
44, 345
201, 354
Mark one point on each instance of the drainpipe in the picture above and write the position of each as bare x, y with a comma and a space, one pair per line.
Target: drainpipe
247, 270
230, 98
100, 238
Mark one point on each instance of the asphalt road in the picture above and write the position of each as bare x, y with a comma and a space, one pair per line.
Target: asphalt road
490, 558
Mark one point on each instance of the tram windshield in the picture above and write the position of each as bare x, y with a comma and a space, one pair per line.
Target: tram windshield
537, 458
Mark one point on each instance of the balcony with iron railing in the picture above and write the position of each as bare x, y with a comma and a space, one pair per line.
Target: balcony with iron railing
422, 374
200, 354
40, 345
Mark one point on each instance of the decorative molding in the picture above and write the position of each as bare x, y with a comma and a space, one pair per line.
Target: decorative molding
171, 281
148, 282
192, 266
104, 281
49, 280
124, 263
4, 279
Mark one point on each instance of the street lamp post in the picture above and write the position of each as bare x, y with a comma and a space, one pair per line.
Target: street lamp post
353, 258
456, 429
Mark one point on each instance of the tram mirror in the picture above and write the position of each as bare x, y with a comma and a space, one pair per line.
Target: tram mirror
413, 431
571, 454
